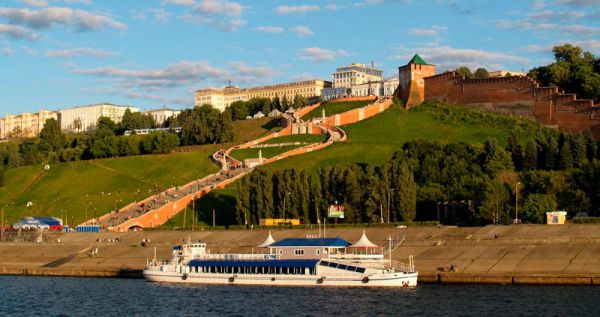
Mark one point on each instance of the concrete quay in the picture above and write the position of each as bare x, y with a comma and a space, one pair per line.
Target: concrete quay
521, 254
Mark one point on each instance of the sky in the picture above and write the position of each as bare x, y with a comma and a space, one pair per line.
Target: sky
148, 53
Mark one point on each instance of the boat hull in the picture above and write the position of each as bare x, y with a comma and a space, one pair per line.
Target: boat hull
378, 280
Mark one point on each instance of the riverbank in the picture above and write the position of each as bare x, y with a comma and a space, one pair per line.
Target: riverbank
488, 255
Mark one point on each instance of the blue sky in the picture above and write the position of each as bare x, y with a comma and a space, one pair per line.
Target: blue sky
148, 53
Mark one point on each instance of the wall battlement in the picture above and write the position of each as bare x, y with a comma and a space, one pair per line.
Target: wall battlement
517, 95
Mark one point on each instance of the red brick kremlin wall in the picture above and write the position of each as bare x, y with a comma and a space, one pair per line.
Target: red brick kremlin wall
516, 95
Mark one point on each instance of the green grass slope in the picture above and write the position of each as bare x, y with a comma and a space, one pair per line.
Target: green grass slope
70, 188
376, 139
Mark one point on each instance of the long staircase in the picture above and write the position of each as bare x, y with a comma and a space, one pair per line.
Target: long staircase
159, 208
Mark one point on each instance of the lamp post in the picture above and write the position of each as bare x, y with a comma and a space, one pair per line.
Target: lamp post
388, 204
517, 202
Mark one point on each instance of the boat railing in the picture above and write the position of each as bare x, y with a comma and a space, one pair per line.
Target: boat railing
237, 257
401, 266
356, 256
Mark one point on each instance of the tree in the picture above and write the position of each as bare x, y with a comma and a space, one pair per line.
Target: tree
515, 150
574, 71
406, 193
535, 207
51, 137
566, 155
481, 73
106, 123
495, 158
77, 125
300, 101
464, 71
530, 160
495, 198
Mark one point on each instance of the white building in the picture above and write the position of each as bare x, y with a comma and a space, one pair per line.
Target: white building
503, 73
161, 115
380, 88
355, 74
223, 98
84, 118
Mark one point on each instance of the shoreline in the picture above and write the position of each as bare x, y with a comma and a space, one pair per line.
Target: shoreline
439, 279
500, 255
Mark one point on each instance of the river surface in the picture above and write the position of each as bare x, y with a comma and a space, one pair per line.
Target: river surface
61, 296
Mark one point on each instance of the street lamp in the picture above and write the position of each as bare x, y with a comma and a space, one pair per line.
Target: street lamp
388, 204
284, 205
517, 202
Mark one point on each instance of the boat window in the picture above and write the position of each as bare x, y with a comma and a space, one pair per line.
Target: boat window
299, 252
280, 251
318, 252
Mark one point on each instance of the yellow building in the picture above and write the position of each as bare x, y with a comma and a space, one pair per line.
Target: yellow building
269, 222
25, 125
222, 98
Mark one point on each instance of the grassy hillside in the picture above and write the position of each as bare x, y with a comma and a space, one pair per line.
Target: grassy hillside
99, 184
376, 139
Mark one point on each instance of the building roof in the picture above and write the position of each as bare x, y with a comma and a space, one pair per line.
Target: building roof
417, 60
267, 241
311, 242
364, 242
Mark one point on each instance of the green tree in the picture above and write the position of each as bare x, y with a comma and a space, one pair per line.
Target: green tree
106, 123
530, 160
515, 150
535, 207
406, 193
481, 73
566, 155
300, 101
464, 71
494, 203
495, 158
51, 137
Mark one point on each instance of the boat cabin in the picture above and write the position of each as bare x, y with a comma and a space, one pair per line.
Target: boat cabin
307, 248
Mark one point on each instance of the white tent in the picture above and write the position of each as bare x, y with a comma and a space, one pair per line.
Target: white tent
364, 243
267, 241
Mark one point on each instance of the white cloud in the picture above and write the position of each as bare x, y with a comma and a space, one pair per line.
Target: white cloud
434, 30
219, 14
80, 20
179, 2
332, 7
35, 3
270, 29
578, 3
7, 51
81, 51
302, 30
317, 54
586, 45
182, 73
367, 3
537, 4
285, 9
532, 24
554, 15
88, 2
450, 58
18, 32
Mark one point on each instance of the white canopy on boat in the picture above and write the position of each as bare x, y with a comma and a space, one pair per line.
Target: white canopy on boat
267, 241
364, 243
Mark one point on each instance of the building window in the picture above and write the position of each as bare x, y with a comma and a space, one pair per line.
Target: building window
299, 252
318, 252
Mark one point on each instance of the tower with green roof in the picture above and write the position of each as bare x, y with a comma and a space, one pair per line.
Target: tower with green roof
411, 88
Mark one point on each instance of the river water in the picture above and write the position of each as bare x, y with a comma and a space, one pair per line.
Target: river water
60, 296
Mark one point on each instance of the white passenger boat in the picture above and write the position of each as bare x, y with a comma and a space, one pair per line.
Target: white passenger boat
289, 262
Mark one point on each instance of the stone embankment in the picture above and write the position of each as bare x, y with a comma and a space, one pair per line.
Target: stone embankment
489, 255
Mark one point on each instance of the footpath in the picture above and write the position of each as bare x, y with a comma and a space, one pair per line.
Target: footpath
518, 254
160, 207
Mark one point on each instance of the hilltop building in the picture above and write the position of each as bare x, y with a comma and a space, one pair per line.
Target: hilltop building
355, 74
161, 115
358, 80
221, 98
411, 80
25, 125
85, 118
504, 73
